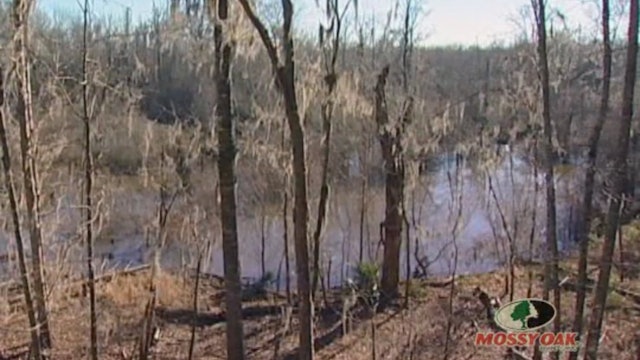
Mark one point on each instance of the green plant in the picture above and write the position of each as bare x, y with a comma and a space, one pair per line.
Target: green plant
258, 289
366, 281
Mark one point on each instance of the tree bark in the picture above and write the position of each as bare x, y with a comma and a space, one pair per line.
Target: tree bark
226, 173
21, 11
394, 183
590, 175
620, 175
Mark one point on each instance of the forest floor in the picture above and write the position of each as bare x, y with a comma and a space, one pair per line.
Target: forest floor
418, 332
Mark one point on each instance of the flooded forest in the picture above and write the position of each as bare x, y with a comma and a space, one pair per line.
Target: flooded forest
226, 179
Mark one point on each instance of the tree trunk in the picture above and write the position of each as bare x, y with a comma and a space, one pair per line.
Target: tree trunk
620, 175
21, 11
330, 81
551, 263
285, 225
327, 113
532, 232
263, 242
590, 175
285, 76
551, 256
363, 210
300, 209
226, 173
194, 323
394, 183
88, 184
13, 203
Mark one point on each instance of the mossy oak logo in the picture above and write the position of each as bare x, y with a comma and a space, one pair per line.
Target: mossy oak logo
525, 315
520, 319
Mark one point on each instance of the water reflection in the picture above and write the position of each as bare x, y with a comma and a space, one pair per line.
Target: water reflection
431, 210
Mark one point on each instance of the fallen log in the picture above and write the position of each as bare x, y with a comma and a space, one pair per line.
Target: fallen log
207, 276
250, 291
569, 285
184, 316
75, 288
106, 278
441, 283
628, 294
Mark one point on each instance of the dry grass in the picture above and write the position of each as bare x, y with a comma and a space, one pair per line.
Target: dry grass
127, 291
421, 330
417, 333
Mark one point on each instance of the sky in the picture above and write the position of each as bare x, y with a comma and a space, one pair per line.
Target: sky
442, 22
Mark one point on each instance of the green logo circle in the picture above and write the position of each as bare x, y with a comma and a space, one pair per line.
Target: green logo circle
525, 315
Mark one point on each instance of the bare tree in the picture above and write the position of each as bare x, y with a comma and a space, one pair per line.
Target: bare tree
15, 218
589, 181
620, 175
330, 57
509, 285
226, 173
456, 187
534, 216
408, 30
21, 11
167, 200
285, 223
551, 263
196, 288
364, 162
285, 80
88, 184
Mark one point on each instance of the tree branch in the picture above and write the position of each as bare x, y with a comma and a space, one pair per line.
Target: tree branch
262, 32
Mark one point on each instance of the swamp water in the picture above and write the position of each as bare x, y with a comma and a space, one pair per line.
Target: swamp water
435, 206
